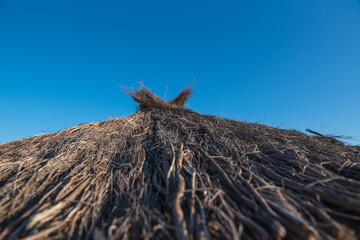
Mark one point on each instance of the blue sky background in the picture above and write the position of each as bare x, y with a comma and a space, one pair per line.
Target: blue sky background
290, 63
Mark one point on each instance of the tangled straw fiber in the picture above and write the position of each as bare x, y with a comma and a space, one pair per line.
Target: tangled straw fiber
168, 172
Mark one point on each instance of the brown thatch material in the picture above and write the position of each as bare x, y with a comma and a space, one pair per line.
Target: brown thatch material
147, 99
167, 172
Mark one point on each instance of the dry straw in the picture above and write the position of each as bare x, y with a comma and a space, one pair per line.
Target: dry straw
167, 172
147, 99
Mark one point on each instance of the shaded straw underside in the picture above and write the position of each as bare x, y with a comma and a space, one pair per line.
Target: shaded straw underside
177, 174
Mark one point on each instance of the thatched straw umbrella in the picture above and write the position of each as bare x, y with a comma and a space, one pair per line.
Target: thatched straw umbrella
168, 172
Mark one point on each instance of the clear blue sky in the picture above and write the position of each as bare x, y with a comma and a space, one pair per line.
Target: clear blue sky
291, 64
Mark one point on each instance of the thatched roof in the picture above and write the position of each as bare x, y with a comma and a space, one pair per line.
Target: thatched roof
147, 99
168, 172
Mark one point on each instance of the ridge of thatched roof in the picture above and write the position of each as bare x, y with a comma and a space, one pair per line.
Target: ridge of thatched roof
169, 174
147, 99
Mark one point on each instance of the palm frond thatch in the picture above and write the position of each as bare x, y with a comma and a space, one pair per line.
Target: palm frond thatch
166, 173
